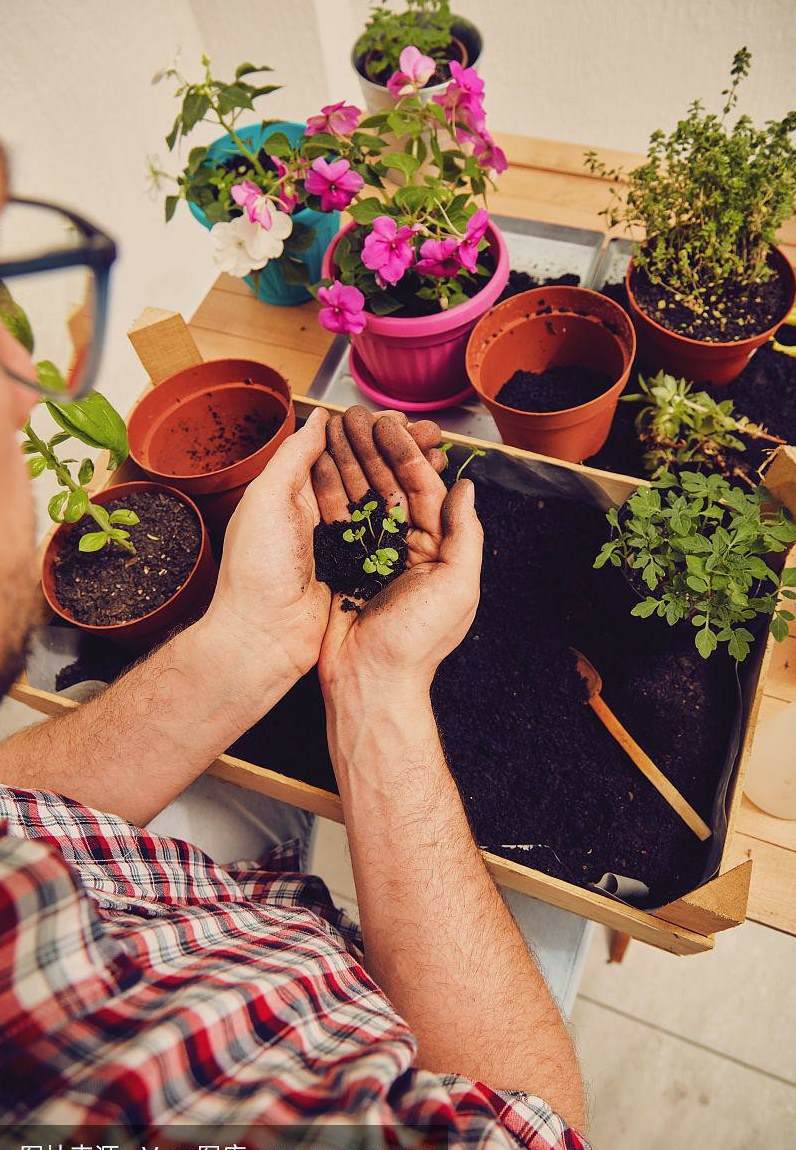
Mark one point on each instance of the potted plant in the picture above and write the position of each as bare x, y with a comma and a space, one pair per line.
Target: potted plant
697, 550
706, 285
679, 427
130, 562
210, 429
549, 365
415, 269
245, 187
446, 40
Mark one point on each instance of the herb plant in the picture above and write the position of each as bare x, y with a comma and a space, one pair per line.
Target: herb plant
700, 547
378, 560
424, 23
681, 427
710, 200
475, 453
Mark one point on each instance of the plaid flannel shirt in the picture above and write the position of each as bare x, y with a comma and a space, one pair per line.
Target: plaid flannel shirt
142, 985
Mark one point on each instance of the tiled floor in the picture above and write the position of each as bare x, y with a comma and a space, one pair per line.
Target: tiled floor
676, 1052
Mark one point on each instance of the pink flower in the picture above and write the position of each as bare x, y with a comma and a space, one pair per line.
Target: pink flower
414, 72
334, 182
488, 154
388, 250
344, 308
463, 99
340, 119
255, 205
438, 257
287, 196
467, 251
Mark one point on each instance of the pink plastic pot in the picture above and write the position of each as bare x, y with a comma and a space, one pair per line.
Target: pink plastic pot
422, 360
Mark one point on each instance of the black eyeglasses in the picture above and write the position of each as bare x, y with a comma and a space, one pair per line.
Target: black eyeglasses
54, 278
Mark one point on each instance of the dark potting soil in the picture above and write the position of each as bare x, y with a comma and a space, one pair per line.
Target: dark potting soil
542, 781
519, 281
230, 442
744, 311
554, 389
112, 586
338, 563
765, 391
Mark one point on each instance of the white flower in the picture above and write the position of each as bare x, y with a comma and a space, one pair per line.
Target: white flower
242, 246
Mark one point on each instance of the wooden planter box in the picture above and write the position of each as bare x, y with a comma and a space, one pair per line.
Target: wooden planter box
686, 926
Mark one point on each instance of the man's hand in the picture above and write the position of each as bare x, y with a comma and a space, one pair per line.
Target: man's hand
403, 634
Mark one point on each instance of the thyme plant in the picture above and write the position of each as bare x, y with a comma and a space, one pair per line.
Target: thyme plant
424, 23
681, 427
701, 548
710, 200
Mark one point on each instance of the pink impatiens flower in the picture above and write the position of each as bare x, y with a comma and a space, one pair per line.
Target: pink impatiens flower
388, 250
414, 72
256, 206
467, 251
336, 183
463, 99
344, 308
340, 119
488, 153
438, 257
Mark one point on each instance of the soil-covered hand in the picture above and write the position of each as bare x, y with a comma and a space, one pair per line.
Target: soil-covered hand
408, 628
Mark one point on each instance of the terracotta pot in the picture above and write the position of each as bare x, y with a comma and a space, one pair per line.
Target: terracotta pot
701, 361
171, 430
421, 360
188, 601
547, 327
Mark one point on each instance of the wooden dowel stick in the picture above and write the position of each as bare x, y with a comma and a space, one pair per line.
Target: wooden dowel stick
645, 764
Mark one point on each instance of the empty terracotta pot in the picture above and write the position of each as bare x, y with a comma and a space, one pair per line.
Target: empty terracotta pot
210, 429
698, 360
552, 327
188, 601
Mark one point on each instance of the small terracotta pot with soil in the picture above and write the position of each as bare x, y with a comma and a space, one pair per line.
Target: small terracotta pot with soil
210, 429
133, 599
705, 360
550, 365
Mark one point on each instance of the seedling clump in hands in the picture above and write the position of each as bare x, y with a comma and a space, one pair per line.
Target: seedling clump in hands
359, 557
700, 547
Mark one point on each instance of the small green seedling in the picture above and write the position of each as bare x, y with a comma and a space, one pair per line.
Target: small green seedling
476, 452
381, 560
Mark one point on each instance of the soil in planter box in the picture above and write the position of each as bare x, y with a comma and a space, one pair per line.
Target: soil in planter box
339, 563
766, 392
554, 389
745, 311
519, 281
112, 586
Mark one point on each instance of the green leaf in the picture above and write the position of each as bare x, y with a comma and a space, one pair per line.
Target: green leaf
400, 161
696, 584
348, 536
398, 513
738, 646
170, 206
102, 516
194, 106
246, 69
384, 304
369, 566
294, 271
94, 422
779, 628
76, 506
125, 517
233, 96
366, 211
645, 608
36, 464
789, 577
389, 526
93, 541
58, 438
706, 642
14, 319
388, 553
56, 506
86, 472
49, 376
277, 144
371, 505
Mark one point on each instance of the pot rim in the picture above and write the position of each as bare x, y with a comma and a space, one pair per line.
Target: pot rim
435, 89
726, 345
598, 400
439, 322
139, 460
59, 536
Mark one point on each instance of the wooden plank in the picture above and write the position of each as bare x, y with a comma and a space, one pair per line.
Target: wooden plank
756, 824
781, 680
250, 318
298, 367
771, 896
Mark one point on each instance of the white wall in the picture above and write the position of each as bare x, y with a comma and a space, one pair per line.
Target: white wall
79, 114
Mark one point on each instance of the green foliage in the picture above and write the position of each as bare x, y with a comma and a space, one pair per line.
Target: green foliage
710, 199
378, 560
424, 23
700, 547
475, 453
14, 319
94, 422
681, 427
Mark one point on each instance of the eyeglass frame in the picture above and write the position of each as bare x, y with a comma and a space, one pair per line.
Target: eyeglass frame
97, 251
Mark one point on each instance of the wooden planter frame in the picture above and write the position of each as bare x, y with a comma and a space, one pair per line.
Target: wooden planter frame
687, 926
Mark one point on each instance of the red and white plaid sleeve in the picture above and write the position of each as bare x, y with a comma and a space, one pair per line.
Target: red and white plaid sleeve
145, 987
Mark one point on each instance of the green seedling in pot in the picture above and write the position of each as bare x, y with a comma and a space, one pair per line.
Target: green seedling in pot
476, 452
701, 549
380, 560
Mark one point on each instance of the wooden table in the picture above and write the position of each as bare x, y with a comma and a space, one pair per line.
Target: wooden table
545, 181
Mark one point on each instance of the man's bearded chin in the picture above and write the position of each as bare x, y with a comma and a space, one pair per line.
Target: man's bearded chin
17, 614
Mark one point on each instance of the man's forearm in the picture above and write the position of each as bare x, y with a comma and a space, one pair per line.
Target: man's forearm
139, 744
439, 939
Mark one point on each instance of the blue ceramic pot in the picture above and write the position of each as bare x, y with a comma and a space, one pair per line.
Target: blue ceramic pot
269, 283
